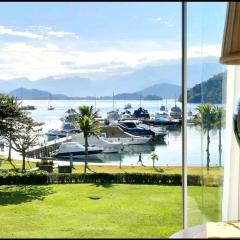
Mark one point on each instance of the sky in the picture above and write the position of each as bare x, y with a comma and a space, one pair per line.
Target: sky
38, 40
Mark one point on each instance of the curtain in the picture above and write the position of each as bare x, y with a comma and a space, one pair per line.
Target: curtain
231, 181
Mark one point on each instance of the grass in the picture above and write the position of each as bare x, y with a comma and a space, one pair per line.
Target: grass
95, 211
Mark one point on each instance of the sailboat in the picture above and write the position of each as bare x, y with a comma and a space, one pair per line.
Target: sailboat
114, 114
176, 111
50, 107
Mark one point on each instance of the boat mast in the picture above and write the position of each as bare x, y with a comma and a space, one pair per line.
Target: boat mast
140, 100
113, 101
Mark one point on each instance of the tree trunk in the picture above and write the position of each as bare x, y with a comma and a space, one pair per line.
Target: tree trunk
220, 147
86, 153
23, 164
10, 153
208, 153
153, 164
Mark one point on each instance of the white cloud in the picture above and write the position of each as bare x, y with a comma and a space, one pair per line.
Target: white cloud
61, 34
9, 31
35, 62
160, 20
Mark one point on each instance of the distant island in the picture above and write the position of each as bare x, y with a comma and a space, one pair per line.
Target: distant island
210, 91
154, 92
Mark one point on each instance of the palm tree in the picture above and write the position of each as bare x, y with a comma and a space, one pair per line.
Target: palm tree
205, 118
88, 126
154, 157
219, 122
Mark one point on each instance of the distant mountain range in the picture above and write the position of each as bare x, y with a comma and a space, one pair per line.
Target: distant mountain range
154, 92
35, 94
75, 86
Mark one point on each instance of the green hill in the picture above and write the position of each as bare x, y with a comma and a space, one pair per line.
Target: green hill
210, 91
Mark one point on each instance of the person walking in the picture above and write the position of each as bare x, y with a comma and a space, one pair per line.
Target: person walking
140, 159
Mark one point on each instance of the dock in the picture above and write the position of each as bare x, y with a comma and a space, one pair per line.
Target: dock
45, 150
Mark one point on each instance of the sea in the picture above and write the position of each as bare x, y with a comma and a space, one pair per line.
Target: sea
169, 151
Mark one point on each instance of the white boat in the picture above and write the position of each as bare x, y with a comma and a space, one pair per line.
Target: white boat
128, 106
116, 134
75, 150
98, 141
51, 107
54, 133
113, 116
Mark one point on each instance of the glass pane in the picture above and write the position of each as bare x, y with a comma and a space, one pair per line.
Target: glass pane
206, 107
124, 59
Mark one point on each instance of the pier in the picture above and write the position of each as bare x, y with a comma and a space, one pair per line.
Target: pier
45, 150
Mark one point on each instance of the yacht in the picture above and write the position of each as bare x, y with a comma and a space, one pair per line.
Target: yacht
141, 113
113, 116
134, 128
114, 133
76, 150
128, 106
162, 119
176, 112
29, 107
70, 115
53, 134
69, 127
98, 141
51, 107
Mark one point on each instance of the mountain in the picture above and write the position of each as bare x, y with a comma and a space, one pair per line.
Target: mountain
170, 72
34, 94
210, 91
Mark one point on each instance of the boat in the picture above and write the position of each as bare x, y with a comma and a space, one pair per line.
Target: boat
162, 119
70, 115
133, 128
162, 108
53, 134
114, 133
113, 116
141, 113
69, 127
51, 107
29, 107
75, 150
98, 141
128, 106
176, 112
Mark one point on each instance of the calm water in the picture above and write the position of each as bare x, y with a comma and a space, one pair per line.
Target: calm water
169, 151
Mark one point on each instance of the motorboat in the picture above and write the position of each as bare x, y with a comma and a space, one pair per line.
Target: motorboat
51, 107
114, 133
141, 113
29, 107
70, 115
126, 115
159, 131
75, 150
176, 112
128, 106
98, 141
53, 134
135, 128
69, 127
113, 116
162, 108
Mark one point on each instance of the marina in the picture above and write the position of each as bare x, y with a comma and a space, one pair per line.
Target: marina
168, 148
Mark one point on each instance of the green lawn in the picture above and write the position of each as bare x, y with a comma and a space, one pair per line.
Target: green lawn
124, 211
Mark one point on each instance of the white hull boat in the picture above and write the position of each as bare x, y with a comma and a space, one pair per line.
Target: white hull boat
98, 141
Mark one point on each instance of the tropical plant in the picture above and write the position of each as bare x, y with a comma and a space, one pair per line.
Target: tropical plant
154, 158
219, 123
88, 126
205, 118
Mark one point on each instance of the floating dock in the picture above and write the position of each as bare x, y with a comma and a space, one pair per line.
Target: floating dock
45, 150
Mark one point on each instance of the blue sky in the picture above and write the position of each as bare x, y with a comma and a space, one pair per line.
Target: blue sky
42, 39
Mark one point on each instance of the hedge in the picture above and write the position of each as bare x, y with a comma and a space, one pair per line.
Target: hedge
15, 178
42, 177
